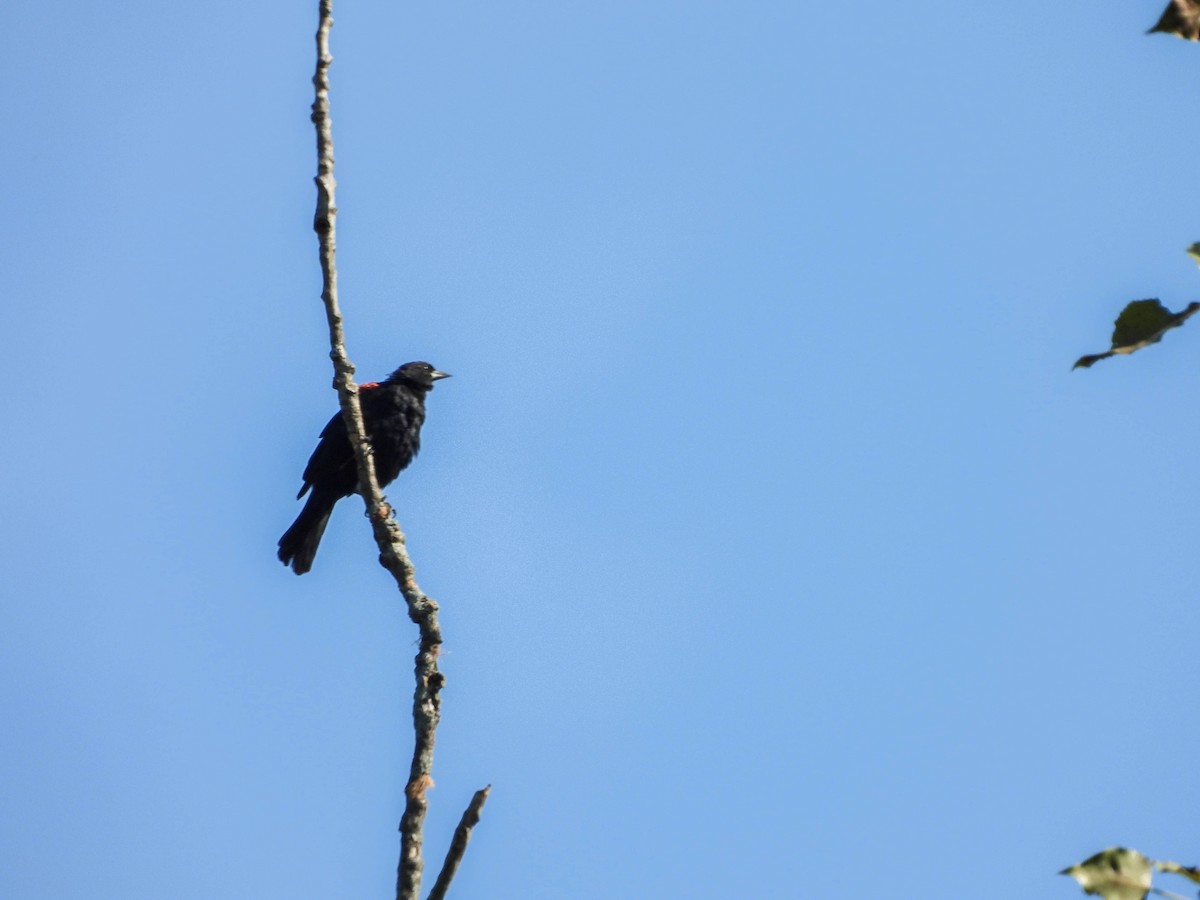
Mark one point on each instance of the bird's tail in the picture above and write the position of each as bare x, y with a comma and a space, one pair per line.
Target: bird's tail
299, 543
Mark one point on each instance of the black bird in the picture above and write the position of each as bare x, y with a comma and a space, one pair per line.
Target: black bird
393, 411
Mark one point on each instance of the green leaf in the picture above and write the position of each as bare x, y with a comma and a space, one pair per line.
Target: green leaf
1141, 320
1192, 872
1181, 18
1140, 324
1117, 873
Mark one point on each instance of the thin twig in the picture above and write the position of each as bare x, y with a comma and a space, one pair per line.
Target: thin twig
393, 555
458, 846
1170, 895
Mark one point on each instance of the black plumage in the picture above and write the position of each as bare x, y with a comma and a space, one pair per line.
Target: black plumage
393, 412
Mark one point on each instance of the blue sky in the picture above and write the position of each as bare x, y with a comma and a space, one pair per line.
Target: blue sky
780, 552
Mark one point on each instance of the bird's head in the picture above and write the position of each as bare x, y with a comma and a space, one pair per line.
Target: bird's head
418, 374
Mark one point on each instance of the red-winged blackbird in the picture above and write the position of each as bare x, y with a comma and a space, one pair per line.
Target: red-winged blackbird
393, 411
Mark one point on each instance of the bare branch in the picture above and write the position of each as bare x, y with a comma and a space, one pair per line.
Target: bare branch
458, 846
393, 554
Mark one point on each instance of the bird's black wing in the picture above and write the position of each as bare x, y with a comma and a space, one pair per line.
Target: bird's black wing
331, 465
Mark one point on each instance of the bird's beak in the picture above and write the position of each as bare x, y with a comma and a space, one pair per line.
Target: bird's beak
435, 375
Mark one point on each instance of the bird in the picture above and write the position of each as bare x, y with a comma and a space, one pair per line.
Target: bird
393, 412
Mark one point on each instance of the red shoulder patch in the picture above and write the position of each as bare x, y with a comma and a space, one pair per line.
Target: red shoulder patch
367, 385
